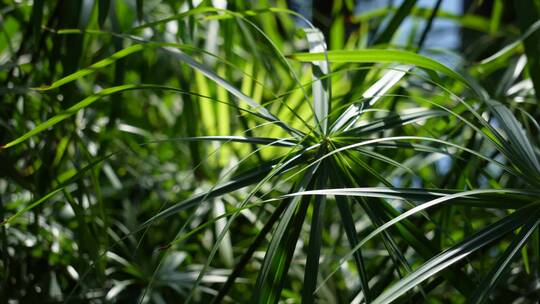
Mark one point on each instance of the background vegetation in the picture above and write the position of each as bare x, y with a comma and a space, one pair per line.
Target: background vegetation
236, 151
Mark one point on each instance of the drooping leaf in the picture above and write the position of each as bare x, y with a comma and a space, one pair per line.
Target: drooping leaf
381, 56
454, 254
497, 272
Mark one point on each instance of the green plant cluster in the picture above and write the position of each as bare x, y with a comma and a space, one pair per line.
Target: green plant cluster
234, 152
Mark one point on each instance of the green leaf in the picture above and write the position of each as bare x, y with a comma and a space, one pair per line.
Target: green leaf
409, 194
497, 272
68, 113
348, 225
36, 19
394, 120
429, 23
59, 188
381, 56
87, 102
504, 54
496, 16
242, 180
465, 20
528, 14
103, 11
404, 10
172, 49
375, 92
378, 141
30, 206
276, 142
311, 272
454, 254
314, 250
278, 256
94, 67
518, 149
140, 13
229, 87
261, 237
321, 85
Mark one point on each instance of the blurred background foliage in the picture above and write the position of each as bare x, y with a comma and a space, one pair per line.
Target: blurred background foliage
139, 166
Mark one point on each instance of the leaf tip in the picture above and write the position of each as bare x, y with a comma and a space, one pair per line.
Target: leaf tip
6, 146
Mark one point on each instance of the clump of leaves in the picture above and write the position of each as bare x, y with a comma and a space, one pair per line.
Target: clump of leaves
333, 169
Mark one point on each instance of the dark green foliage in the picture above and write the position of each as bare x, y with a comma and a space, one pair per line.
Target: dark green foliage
176, 152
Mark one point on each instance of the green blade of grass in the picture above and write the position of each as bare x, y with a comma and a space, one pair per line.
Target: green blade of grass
93, 68
378, 90
394, 120
140, 13
497, 272
278, 256
528, 12
171, 49
68, 113
519, 148
403, 11
381, 56
245, 179
229, 87
311, 272
80, 173
465, 20
321, 85
36, 20
30, 206
454, 254
487, 64
276, 142
496, 16
249, 253
350, 231
401, 194
103, 11
87, 102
